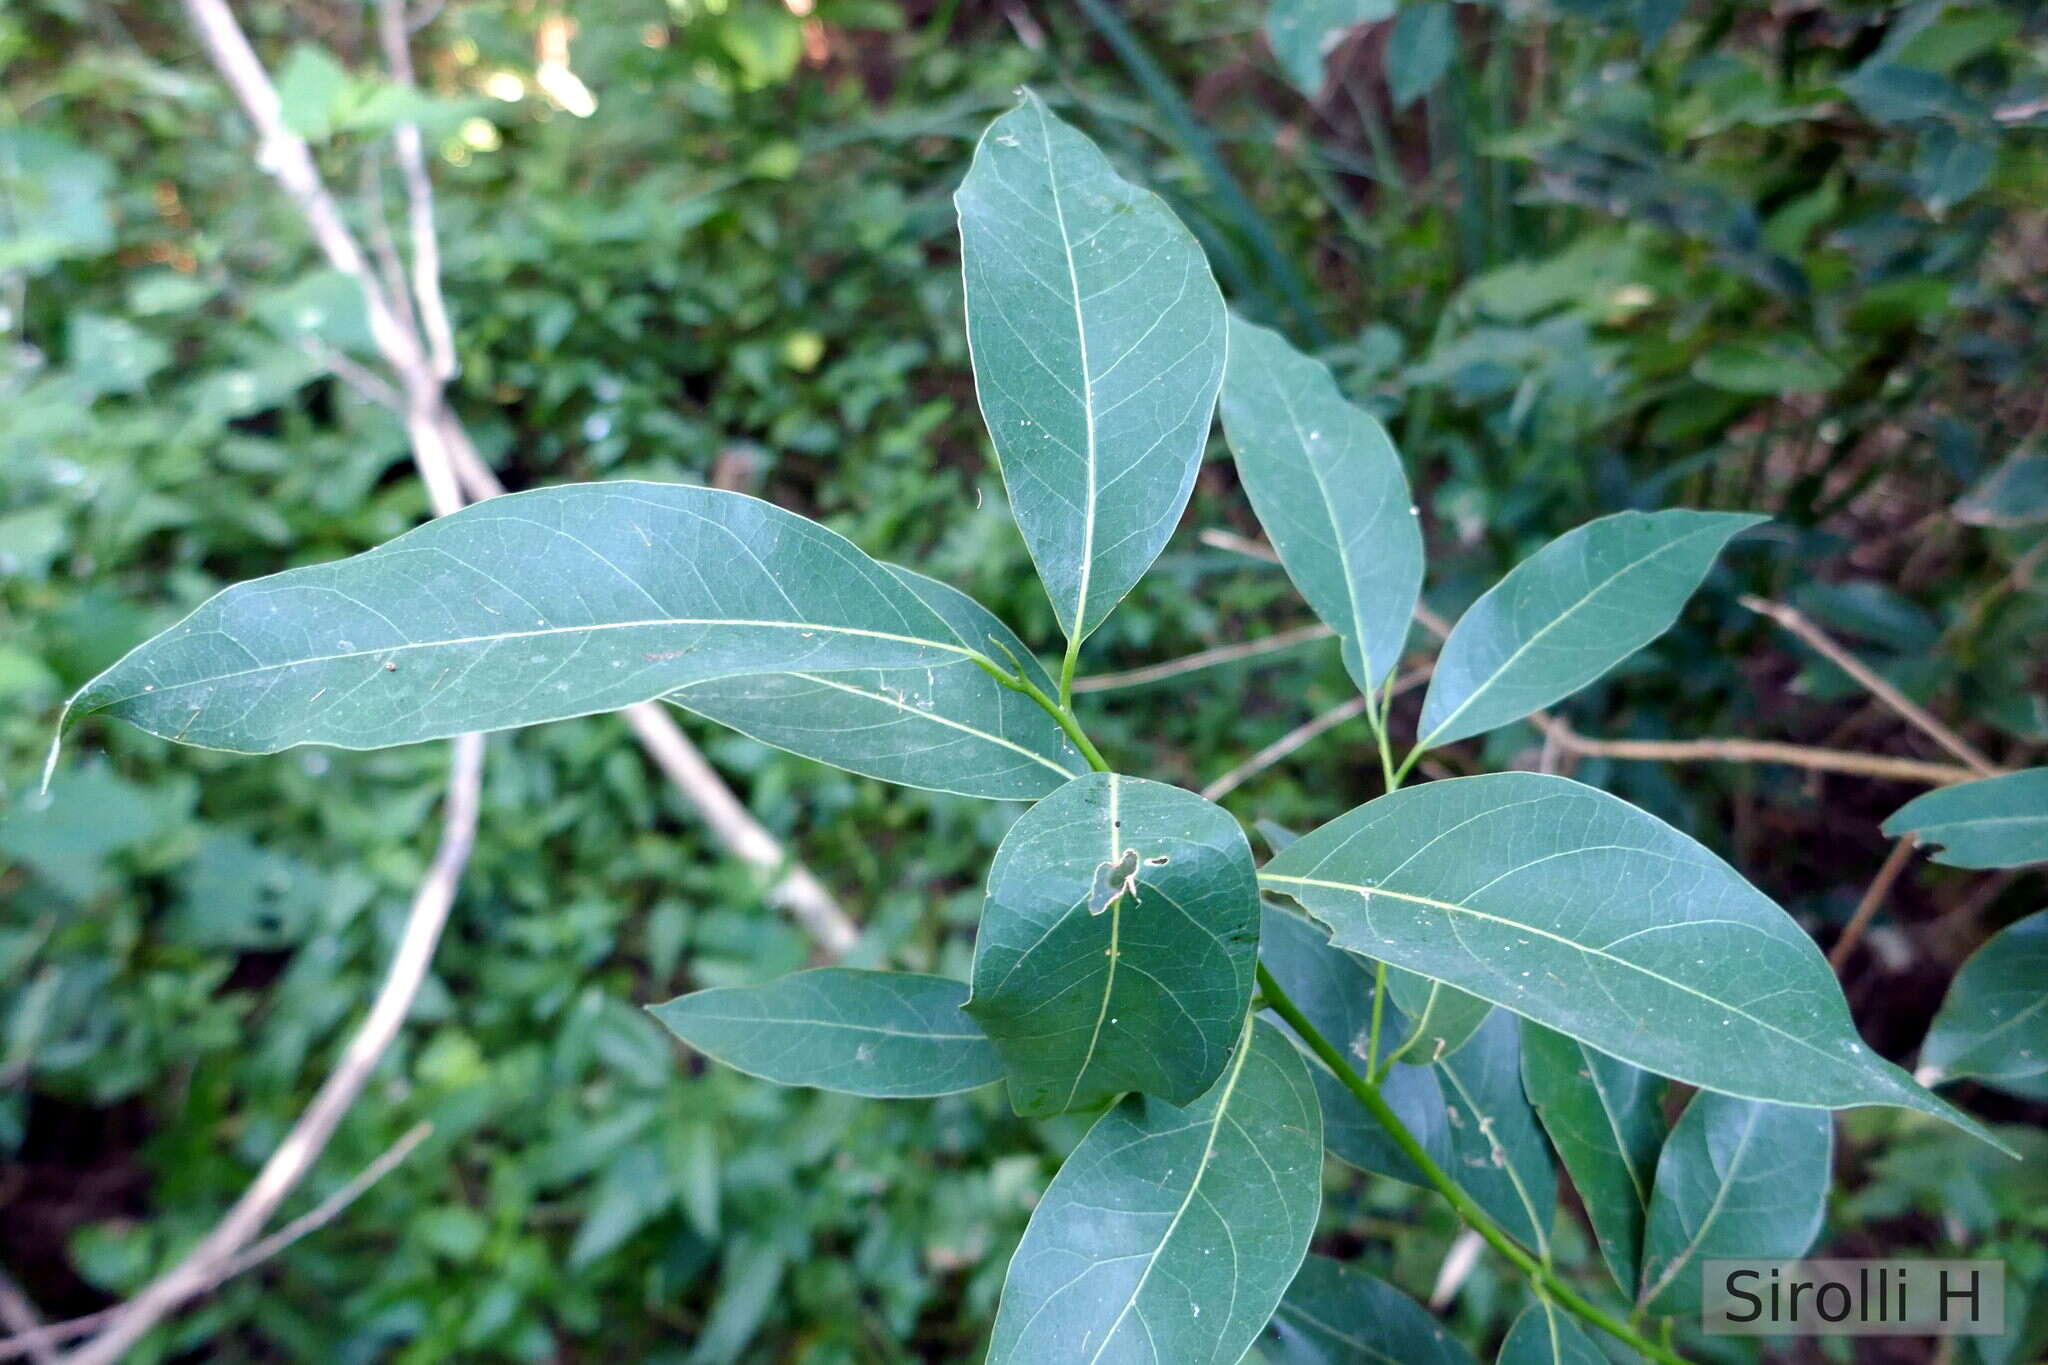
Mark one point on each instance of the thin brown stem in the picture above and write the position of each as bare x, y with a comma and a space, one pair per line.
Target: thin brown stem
1881, 766
1866, 909
1208, 658
1797, 622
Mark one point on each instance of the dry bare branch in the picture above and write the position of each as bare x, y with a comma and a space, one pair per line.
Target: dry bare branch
205, 1264
1799, 624
1208, 658
1880, 766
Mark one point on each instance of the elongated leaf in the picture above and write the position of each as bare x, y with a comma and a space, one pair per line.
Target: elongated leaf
1302, 32
1567, 614
1334, 1315
1497, 1150
1441, 1018
1334, 989
1545, 1335
2013, 494
1328, 487
1736, 1178
1998, 822
1170, 1234
886, 1034
1994, 1024
946, 727
1606, 1120
1577, 910
526, 608
1098, 338
1420, 49
1117, 944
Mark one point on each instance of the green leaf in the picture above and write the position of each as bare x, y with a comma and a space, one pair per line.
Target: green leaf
1497, 1150
526, 608
53, 200
1567, 614
945, 727
1302, 32
1545, 1335
1998, 822
1170, 1233
1334, 989
1334, 1315
1736, 1178
1770, 365
1606, 1120
1994, 1024
1420, 49
1441, 1018
885, 1034
1117, 945
2014, 494
1577, 910
1327, 485
313, 91
1098, 339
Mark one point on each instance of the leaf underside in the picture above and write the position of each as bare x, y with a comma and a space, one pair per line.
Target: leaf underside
1993, 1025
1735, 1178
1567, 614
1575, 909
526, 608
1170, 1233
1098, 340
882, 1034
1998, 822
1335, 1315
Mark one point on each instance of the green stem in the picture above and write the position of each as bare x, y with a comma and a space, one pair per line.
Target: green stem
1541, 1275
1020, 681
1380, 726
1067, 672
1379, 1002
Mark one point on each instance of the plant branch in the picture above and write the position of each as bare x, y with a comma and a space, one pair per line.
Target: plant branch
1542, 1276
1208, 658
1797, 622
1881, 766
255, 1254
395, 36
447, 459
1880, 886
207, 1262
20, 1316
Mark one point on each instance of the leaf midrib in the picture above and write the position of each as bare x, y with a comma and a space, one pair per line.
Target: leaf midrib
1567, 614
543, 632
1521, 926
1244, 1052
1052, 177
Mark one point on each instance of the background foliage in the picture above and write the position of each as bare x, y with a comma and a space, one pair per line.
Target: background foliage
1585, 257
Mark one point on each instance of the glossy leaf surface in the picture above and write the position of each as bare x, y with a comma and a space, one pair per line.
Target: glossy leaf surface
1329, 490
1334, 989
1498, 1152
1606, 1120
1567, 614
1594, 918
526, 608
1545, 1334
885, 1034
1117, 944
1171, 1232
948, 726
1736, 1178
1998, 822
1993, 1025
1334, 1315
1098, 338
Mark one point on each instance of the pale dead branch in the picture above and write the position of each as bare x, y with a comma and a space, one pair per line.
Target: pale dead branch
207, 1262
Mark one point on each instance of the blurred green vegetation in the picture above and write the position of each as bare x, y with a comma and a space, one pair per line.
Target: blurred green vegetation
1584, 256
